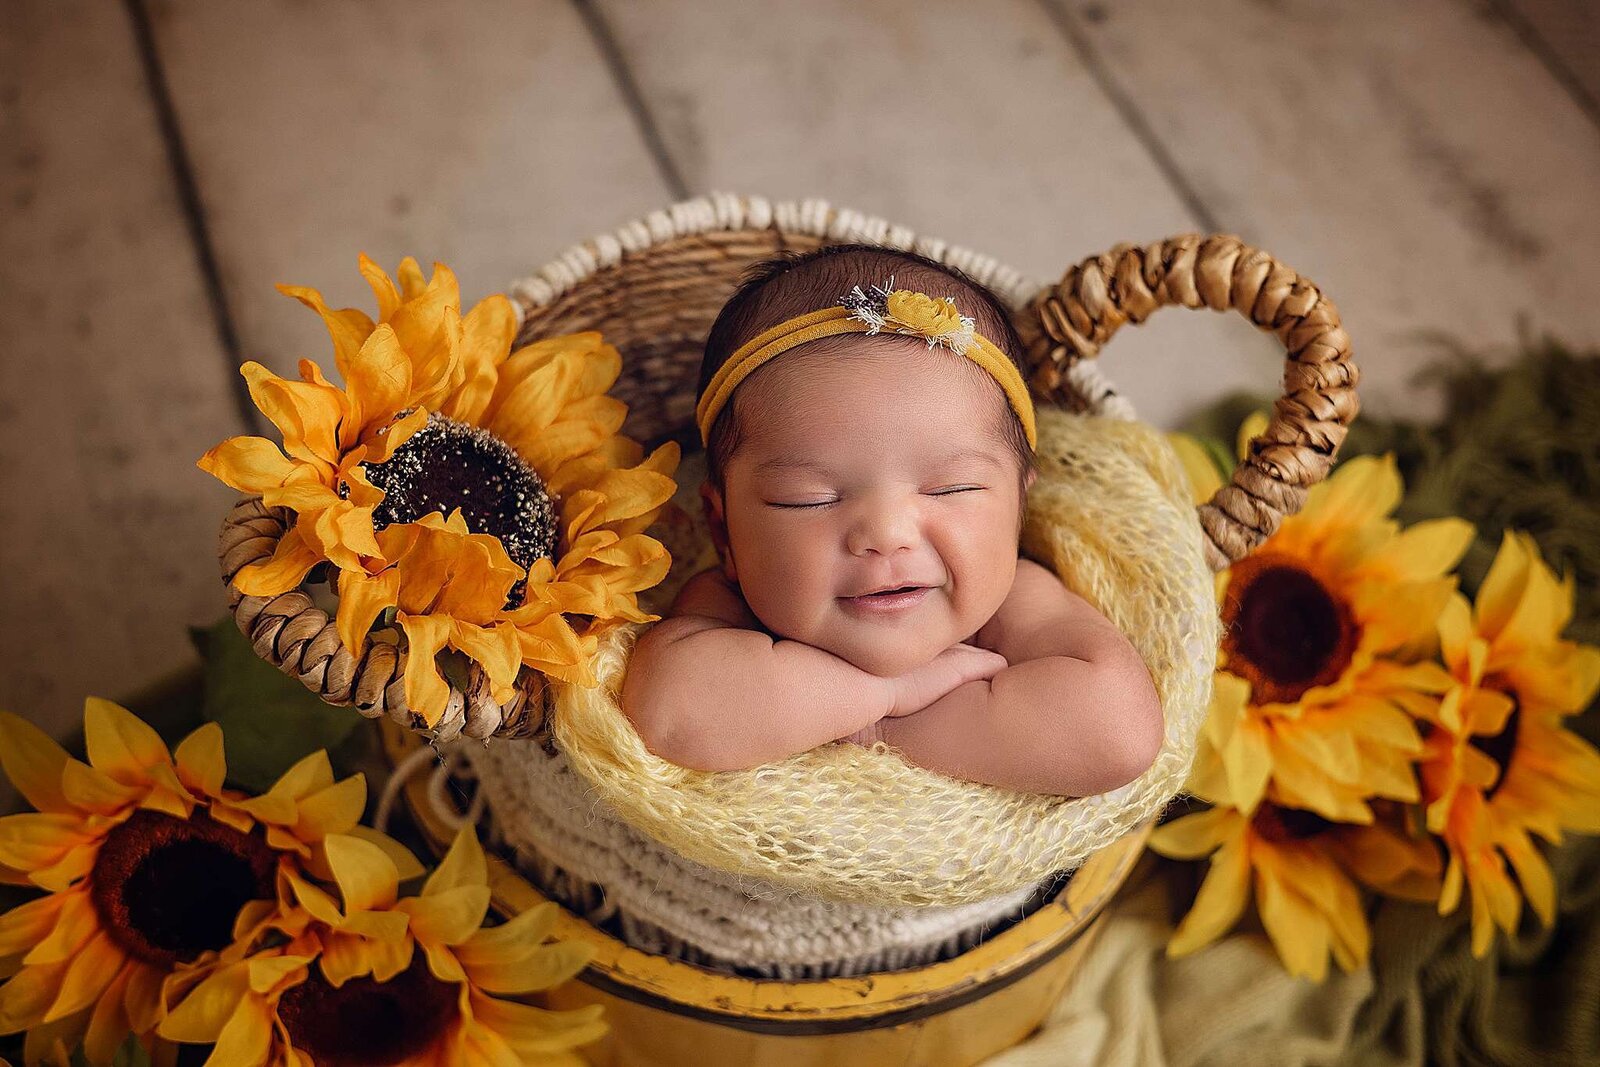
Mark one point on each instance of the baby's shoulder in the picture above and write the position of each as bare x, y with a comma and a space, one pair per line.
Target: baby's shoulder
709, 595
1034, 589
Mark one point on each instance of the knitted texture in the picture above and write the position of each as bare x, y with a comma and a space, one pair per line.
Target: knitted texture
575, 849
1110, 514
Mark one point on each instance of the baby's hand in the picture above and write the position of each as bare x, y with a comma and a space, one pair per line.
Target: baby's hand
949, 670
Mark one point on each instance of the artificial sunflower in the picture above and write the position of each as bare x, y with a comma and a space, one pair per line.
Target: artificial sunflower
1305, 872
1498, 766
151, 868
1323, 621
375, 979
524, 445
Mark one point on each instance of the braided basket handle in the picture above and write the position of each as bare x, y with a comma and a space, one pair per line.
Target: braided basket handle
1221, 272
294, 635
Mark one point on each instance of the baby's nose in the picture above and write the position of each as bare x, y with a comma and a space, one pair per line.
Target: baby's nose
883, 530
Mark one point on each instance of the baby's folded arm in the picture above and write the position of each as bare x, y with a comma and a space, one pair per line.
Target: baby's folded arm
714, 697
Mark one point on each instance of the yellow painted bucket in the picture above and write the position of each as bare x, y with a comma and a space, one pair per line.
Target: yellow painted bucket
668, 1013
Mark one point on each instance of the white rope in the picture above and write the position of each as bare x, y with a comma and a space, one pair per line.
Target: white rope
455, 762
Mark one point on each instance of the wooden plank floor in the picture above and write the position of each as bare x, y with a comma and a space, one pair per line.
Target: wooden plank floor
1433, 165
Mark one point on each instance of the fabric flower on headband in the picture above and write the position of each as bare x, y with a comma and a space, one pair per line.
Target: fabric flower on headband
904, 311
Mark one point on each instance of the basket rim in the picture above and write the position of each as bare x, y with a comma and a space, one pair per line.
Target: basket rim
786, 1005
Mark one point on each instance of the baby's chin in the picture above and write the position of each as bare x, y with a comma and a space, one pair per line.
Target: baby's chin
887, 657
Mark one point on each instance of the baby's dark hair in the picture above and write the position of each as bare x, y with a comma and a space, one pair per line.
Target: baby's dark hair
792, 283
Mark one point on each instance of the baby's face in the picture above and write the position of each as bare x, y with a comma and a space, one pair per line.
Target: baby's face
872, 465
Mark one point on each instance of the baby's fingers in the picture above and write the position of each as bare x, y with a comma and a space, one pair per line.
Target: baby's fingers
975, 662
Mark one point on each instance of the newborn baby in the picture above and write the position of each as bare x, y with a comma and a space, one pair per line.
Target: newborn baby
865, 493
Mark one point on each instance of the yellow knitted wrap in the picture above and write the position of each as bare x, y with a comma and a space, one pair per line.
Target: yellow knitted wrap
1110, 514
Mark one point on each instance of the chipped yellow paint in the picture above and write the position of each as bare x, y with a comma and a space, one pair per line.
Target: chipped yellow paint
665, 1012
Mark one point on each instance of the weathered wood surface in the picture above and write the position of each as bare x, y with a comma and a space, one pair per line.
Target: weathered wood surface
112, 377
486, 135
1415, 160
975, 123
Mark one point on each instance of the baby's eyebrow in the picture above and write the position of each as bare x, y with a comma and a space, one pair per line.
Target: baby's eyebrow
786, 463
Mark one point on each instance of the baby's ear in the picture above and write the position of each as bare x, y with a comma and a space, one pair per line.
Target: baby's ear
717, 524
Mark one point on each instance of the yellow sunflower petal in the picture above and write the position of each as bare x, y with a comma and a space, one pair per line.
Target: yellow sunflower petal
26, 997
379, 384
25, 925
1543, 610
88, 974
365, 876
341, 533
1196, 836
487, 332
108, 1023
412, 281
1199, 471
248, 464
529, 397
307, 412
332, 810
361, 600
1425, 549
200, 1016
1221, 900
33, 762
463, 865
536, 1033
447, 917
288, 566
427, 693
1503, 587
516, 938
406, 865
1533, 873
1361, 489
246, 1038
545, 968
497, 648
202, 764
1297, 930
76, 923
380, 446
348, 327
387, 294
121, 744
429, 329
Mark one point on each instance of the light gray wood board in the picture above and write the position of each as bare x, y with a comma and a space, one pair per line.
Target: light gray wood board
115, 382
486, 135
1415, 160
975, 123
1571, 30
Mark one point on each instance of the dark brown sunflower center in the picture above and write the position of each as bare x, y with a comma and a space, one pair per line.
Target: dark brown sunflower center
1281, 825
168, 889
1285, 632
1502, 746
364, 1023
448, 465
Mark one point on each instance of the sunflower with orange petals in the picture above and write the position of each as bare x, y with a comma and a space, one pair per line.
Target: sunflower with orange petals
439, 417
1303, 870
1323, 621
370, 977
150, 869
1498, 765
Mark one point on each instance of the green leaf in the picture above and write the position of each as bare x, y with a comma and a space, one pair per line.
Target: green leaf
268, 719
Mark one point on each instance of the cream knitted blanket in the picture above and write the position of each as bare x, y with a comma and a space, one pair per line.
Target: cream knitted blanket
1111, 515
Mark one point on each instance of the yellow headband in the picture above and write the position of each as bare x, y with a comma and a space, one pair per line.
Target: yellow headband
902, 311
